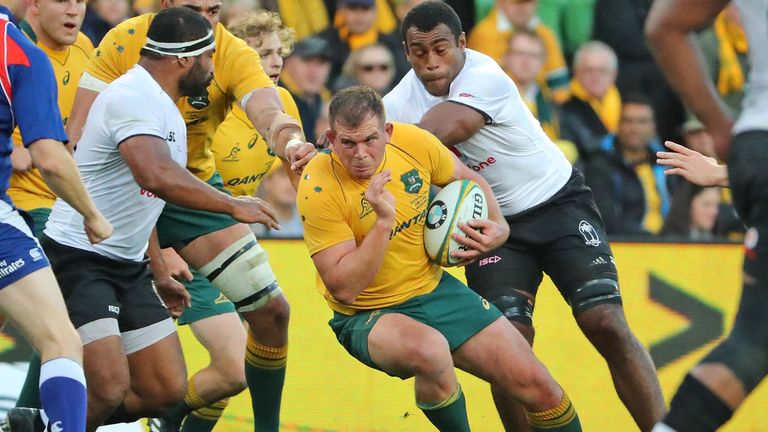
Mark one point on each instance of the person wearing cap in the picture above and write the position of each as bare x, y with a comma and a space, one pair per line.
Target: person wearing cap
356, 29
132, 155
222, 249
305, 75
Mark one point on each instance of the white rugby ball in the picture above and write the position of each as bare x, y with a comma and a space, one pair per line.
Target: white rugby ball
456, 203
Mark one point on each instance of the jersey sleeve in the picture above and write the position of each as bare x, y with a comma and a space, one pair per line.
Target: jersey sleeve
321, 211
238, 67
128, 117
35, 99
111, 59
427, 149
486, 91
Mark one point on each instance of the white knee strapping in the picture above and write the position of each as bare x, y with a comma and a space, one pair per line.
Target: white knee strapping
243, 274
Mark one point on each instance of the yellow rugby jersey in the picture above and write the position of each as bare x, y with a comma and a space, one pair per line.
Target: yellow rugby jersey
28, 190
242, 155
237, 72
333, 208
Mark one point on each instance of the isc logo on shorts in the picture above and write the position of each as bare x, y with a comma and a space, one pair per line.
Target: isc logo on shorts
490, 260
114, 309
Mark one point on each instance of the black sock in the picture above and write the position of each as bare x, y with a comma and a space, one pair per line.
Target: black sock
695, 408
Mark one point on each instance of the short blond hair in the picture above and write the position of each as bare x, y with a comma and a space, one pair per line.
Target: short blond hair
259, 23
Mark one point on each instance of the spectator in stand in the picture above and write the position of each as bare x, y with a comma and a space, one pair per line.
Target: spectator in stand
102, 15
491, 36
594, 108
355, 28
693, 214
619, 23
523, 62
571, 20
307, 17
372, 66
305, 75
630, 189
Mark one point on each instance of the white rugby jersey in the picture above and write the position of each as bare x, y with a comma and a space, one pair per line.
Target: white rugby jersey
132, 105
512, 152
754, 111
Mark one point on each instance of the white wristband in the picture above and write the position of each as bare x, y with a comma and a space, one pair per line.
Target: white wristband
293, 142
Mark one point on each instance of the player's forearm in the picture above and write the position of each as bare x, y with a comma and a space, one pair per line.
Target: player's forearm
673, 43
267, 114
156, 262
356, 270
177, 185
60, 172
83, 100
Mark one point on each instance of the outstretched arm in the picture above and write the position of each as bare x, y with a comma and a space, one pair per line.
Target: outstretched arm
281, 131
154, 170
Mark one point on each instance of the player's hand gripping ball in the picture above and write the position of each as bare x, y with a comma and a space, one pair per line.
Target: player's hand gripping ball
458, 202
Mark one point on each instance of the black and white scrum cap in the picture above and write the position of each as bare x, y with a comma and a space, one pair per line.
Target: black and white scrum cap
183, 49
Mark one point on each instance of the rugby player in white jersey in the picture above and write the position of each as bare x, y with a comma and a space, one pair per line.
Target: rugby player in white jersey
718, 385
132, 156
465, 99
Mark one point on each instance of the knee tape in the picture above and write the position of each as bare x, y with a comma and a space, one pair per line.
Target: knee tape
515, 307
593, 293
242, 273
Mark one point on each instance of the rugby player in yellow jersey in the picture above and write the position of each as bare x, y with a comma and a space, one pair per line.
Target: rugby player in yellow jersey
54, 26
394, 310
221, 249
242, 158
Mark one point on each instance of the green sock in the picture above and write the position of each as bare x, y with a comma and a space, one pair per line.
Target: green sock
191, 402
30, 392
204, 419
562, 418
265, 374
450, 414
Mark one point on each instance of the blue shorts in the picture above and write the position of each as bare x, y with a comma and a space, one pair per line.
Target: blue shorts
20, 253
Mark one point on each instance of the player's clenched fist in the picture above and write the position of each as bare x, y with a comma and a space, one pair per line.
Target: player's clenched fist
97, 228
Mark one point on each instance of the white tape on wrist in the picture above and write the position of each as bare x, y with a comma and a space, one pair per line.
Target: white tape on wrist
293, 142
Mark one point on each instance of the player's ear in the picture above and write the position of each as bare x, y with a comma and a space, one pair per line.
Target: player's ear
462, 41
331, 135
164, 4
185, 62
388, 129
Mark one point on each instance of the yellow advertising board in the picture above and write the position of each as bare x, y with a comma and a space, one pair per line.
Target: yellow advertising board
679, 299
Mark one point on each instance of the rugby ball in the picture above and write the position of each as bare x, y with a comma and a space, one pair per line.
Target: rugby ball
457, 202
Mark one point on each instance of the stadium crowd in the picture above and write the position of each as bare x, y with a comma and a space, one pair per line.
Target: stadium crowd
582, 66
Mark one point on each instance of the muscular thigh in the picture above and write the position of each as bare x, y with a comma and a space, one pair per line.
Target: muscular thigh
206, 248
509, 278
577, 256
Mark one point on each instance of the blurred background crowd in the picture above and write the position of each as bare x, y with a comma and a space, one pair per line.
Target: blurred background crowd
582, 66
